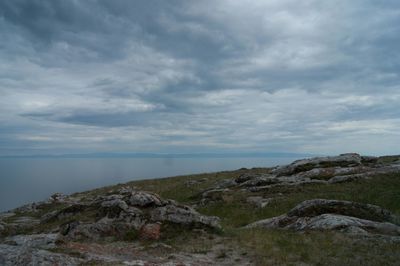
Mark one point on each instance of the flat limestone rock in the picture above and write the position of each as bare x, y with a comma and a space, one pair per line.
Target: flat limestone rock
345, 216
183, 215
343, 160
20, 256
310, 208
365, 175
30, 250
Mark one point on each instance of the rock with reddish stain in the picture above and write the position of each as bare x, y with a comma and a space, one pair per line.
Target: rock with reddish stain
150, 231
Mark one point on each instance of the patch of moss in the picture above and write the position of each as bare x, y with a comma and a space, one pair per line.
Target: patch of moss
131, 235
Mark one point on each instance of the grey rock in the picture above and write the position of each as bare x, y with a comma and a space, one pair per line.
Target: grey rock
183, 215
123, 213
111, 197
348, 178
117, 204
20, 256
214, 194
310, 208
259, 201
327, 172
126, 190
33, 241
226, 183
143, 199
365, 175
345, 216
28, 250
342, 223
93, 231
58, 197
343, 160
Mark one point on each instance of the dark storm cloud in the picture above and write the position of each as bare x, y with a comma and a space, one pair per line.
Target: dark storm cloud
153, 75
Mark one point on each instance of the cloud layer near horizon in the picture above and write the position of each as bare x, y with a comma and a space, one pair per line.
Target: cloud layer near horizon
199, 76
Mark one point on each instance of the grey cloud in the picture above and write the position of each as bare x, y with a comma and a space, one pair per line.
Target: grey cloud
199, 75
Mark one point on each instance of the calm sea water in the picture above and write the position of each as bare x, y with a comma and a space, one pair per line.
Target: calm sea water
26, 180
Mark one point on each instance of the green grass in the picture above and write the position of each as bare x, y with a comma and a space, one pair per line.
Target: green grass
280, 247
383, 190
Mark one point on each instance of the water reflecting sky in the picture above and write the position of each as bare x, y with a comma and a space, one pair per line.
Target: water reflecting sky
33, 179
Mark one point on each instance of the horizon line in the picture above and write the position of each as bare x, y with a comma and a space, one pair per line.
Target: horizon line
164, 155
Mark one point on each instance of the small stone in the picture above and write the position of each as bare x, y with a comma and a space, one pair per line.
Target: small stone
259, 201
58, 197
226, 183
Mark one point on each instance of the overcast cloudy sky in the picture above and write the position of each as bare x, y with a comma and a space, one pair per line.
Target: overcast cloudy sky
306, 76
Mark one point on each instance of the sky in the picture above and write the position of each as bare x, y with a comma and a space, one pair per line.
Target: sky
199, 76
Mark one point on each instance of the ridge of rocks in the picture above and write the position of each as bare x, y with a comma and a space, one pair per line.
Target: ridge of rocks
326, 170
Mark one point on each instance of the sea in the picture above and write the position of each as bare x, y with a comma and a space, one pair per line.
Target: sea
25, 180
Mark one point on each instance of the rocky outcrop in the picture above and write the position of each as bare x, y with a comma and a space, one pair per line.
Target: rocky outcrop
346, 216
343, 160
319, 170
112, 215
116, 215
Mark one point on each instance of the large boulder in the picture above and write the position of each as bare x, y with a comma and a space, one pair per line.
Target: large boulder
345, 216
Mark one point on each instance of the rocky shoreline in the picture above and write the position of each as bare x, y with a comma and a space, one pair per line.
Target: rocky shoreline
127, 225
